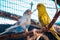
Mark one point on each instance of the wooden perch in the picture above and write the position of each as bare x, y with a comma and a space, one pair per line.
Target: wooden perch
9, 15
54, 19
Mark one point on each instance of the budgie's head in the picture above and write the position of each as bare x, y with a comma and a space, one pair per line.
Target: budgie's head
40, 7
27, 12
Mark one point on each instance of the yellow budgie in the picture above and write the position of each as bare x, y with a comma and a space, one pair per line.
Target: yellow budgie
44, 19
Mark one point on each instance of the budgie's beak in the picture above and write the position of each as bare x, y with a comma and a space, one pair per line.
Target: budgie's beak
30, 12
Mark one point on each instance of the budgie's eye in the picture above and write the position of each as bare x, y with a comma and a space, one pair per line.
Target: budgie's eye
38, 5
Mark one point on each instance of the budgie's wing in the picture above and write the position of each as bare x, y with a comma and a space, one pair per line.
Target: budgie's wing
15, 25
44, 20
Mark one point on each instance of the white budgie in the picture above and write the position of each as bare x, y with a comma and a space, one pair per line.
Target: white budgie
23, 22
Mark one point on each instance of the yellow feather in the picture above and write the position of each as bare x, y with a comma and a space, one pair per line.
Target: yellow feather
45, 19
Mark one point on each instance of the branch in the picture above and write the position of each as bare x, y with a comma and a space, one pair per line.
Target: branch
9, 15
53, 20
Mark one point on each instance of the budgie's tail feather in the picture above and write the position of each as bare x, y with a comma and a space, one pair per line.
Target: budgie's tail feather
3, 32
55, 34
52, 28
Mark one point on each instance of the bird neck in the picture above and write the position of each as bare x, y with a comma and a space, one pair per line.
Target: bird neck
27, 16
41, 11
